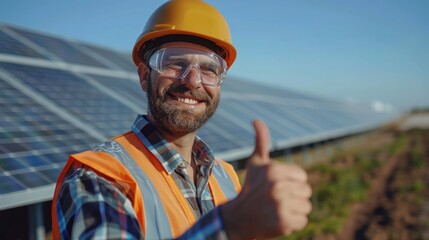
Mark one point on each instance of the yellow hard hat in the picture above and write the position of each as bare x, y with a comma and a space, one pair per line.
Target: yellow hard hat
186, 20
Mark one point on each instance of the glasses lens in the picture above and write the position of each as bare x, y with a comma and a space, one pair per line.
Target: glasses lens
178, 62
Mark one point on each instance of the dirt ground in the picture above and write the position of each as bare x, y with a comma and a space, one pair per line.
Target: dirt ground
398, 201
402, 211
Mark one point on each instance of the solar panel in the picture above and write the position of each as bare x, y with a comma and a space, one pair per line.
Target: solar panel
273, 116
119, 59
60, 48
223, 136
9, 184
12, 46
34, 142
311, 115
130, 89
236, 84
76, 96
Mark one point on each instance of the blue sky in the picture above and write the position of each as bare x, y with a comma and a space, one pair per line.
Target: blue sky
361, 51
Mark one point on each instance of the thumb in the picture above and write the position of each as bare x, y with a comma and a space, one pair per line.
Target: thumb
261, 155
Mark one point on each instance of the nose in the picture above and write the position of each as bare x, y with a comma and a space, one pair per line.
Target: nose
192, 77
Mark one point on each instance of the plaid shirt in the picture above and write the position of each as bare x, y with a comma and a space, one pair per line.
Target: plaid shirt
90, 206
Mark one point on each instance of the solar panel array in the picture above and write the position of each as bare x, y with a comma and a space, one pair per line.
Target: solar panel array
60, 96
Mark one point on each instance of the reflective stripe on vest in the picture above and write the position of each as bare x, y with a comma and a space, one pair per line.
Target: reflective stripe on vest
224, 181
157, 223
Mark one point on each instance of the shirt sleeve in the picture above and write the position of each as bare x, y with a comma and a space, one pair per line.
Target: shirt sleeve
91, 207
210, 226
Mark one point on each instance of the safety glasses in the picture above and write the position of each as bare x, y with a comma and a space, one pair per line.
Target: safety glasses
178, 62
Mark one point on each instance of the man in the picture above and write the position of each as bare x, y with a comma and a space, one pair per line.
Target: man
160, 180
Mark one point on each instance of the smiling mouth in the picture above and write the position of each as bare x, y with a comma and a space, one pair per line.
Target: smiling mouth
187, 100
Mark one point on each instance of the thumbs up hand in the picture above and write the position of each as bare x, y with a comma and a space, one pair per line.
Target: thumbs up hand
261, 155
275, 196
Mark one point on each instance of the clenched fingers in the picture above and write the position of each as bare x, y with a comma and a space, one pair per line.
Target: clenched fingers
287, 188
281, 171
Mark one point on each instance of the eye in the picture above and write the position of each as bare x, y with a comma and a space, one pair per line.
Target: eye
176, 65
209, 69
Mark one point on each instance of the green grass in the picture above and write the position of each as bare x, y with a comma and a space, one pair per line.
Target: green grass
343, 181
398, 144
417, 156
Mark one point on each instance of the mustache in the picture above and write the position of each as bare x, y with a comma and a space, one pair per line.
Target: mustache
182, 89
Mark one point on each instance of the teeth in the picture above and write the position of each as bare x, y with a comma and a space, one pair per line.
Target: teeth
187, 100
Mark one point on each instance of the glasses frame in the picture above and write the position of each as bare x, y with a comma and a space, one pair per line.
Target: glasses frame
155, 59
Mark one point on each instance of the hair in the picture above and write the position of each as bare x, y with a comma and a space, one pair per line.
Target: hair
149, 47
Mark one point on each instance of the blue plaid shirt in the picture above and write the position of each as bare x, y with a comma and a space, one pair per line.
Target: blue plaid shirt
90, 206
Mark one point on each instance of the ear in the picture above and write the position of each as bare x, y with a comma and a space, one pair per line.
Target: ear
143, 72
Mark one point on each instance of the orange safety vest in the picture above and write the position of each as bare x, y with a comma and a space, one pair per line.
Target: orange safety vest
161, 209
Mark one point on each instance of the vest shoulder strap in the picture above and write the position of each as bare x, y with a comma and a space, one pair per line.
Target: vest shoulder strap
157, 224
223, 182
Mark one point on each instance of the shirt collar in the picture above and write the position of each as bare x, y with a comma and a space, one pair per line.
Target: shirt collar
165, 153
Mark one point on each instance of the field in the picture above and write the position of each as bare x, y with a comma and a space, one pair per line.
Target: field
378, 191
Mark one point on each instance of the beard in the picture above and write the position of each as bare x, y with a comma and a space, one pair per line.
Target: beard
176, 120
